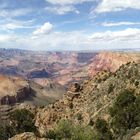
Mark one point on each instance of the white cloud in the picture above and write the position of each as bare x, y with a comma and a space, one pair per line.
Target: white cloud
5, 38
59, 41
64, 6
6, 13
15, 24
8, 40
67, 2
62, 9
44, 29
127, 34
76, 40
117, 5
124, 23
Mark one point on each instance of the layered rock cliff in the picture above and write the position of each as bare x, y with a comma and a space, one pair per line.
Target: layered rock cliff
13, 90
111, 61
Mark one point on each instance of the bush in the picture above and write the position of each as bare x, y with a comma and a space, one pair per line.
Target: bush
6, 132
101, 125
51, 134
23, 121
125, 113
110, 89
79, 117
82, 133
64, 129
67, 130
71, 105
3, 134
136, 83
103, 132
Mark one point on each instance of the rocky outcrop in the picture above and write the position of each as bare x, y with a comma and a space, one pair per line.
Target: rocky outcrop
75, 87
136, 136
13, 90
93, 100
20, 95
26, 136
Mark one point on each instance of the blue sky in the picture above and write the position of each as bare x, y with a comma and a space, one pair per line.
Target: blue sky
69, 24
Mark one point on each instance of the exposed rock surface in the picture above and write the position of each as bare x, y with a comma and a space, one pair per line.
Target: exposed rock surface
13, 90
61, 67
26, 136
93, 100
136, 136
111, 61
18, 93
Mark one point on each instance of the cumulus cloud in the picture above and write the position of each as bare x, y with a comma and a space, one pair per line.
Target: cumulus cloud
44, 29
78, 40
117, 5
124, 23
127, 34
59, 41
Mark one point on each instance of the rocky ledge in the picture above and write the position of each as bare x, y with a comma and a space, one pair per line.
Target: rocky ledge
26, 136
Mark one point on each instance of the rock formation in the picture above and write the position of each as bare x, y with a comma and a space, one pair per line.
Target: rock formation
26, 136
111, 61
93, 100
13, 90
61, 67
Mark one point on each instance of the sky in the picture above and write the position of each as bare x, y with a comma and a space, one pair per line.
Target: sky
70, 24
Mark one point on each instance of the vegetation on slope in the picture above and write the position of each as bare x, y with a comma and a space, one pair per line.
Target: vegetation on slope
20, 121
125, 116
107, 107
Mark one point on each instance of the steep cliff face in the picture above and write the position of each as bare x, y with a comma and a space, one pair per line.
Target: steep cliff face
92, 100
13, 90
17, 93
61, 67
111, 61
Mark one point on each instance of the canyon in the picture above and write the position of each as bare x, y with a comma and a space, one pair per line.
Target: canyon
61, 67
76, 86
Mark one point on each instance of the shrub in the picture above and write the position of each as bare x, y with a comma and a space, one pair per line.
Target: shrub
103, 132
3, 134
125, 113
111, 87
79, 116
91, 122
22, 120
51, 134
136, 83
6, 132
67, 130
101, 125
82, 133
64, 129
71, 105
